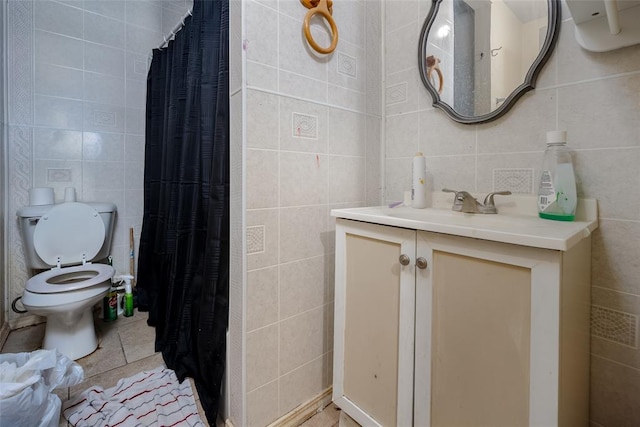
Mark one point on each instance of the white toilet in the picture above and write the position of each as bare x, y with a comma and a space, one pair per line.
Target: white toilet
64, 238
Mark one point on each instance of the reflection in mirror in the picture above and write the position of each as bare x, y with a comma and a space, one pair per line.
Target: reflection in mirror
477, 57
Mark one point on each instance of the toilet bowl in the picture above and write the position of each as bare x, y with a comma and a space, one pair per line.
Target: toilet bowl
67, 237
66, 297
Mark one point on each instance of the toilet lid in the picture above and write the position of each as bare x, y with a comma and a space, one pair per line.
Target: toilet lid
68, 279
69, 231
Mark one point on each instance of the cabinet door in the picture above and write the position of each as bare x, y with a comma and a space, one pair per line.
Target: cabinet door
486, 334
374, 323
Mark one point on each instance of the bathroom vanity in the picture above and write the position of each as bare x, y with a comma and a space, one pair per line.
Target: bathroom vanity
445, 318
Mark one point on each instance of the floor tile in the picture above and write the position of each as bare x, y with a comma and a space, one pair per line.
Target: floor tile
137, 316
198, 403
126, 347
328, 417
108, 355
24, 339
110, 378
138, 340
347, 421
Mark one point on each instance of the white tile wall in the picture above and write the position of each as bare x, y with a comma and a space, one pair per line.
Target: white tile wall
296, 299
262, 356
262, 297
81, 108
3, 192
303, 383
596, 98
293, 178
262, 179
265, 120
263, 402
97, 136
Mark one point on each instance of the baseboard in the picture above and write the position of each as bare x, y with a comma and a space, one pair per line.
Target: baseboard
304, 411
4, 333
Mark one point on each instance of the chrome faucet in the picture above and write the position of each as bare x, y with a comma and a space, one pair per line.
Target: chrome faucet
465, 202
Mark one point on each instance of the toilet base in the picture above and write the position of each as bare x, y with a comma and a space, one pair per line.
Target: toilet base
73, 339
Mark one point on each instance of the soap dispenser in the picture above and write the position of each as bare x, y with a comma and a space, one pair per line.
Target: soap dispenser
557, 196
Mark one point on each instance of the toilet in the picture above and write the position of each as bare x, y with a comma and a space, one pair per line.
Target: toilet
66, 239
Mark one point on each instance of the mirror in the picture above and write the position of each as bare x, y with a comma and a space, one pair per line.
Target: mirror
478, 57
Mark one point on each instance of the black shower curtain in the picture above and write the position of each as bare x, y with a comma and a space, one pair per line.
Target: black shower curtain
183, 260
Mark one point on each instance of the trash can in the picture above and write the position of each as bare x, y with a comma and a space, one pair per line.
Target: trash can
27, 381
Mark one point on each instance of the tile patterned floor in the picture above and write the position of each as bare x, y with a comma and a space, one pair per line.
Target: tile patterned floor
328, 417
126, 347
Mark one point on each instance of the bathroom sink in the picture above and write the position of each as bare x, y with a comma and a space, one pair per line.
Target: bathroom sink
517, 222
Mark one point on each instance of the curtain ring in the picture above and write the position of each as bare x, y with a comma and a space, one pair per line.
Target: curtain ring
164, 43
324, 8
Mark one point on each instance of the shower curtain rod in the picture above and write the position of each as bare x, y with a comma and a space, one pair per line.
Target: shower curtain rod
175, 30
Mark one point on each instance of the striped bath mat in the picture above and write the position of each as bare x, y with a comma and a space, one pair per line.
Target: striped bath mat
150, 398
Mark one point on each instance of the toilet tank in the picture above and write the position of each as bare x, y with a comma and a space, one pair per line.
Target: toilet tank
28, 217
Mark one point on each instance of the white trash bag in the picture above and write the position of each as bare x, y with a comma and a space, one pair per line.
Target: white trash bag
26, 384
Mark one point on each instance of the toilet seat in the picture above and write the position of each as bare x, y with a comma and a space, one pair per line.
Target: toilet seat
70, 233
70, 278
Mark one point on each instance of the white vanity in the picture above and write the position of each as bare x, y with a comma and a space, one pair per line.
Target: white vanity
451, 319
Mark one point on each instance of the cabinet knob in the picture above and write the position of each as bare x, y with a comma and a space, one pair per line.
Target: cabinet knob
421, 263
404, 259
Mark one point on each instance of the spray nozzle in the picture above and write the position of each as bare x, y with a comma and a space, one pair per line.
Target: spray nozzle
126, 278
127, 282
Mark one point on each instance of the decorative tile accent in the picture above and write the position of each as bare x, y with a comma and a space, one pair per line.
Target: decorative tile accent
397, 93
347, 65
305, 126
519, 181
20, 171
613, 325
59, 175
20, 60
255, 239
104, 118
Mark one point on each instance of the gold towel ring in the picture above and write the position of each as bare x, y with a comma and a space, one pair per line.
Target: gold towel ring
433, 63
324, 8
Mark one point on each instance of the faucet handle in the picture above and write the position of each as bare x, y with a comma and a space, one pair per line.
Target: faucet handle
488, 200
460, 196
463, 201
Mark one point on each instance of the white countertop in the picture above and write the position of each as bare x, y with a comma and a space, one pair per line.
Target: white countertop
517, 221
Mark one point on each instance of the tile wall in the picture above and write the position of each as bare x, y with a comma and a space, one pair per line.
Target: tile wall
235, 396
312, 127
3, 134
596, 98
312, 144
76, 84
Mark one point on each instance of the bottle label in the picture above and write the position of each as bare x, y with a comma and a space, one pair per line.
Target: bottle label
547, 192
110, 306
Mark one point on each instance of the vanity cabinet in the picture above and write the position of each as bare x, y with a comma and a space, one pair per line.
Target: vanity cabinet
433, 329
